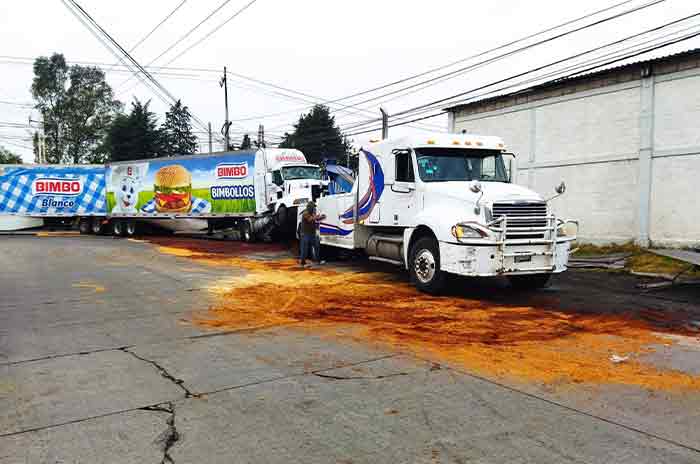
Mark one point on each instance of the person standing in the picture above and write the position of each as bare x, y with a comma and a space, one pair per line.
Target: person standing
309, 234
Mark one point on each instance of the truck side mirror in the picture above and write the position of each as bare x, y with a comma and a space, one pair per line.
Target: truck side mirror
509, 161
315, 192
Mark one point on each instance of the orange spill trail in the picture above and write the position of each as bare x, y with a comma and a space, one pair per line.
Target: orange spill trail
520, 343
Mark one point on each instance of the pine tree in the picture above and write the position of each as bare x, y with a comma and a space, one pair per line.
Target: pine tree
317, 136
133, 136
178, 138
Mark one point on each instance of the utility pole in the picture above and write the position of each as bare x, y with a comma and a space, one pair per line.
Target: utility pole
224, 83
210, 146
261, 136
385, 123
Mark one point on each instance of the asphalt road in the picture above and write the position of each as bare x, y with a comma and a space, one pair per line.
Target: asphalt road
100, 364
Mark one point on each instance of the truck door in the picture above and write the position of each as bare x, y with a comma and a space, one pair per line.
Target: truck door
403, 190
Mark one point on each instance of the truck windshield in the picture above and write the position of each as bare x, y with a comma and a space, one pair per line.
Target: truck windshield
301, 172
460, 164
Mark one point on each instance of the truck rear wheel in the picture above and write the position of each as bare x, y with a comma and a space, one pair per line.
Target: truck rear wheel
118, 228
529, 281
85, 226
424, 266
130, 228
96, 225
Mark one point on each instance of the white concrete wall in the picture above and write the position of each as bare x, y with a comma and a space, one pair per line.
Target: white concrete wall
675, 201
592, 140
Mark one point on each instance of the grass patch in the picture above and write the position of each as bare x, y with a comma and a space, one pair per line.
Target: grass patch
641, 259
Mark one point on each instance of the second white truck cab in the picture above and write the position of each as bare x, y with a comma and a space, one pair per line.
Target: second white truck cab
290, 180
445, 203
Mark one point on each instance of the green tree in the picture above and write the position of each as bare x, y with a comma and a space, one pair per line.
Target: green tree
317, 136
77, 106
133, 136
246, 144
178, 138
7, 157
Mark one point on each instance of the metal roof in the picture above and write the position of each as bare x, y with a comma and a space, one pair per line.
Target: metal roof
650, 59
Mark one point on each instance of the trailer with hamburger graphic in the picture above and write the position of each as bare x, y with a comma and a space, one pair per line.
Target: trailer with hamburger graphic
253, 191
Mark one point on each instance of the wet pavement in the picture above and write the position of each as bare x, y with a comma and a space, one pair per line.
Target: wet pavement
182, 350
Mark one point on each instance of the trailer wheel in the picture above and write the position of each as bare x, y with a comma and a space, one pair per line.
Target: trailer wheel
247, 234
424, 266
96, 225
130, 228
118, 228
85, 226
529, 281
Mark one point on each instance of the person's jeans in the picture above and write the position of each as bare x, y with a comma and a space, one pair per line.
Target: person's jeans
307, 241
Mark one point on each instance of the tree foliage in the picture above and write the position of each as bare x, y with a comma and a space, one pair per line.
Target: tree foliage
246, 144
176, 131
77, 106
7, 157
134, 136
317, 136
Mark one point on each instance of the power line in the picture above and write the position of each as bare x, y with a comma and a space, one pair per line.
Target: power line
477, 55
158, 86
152, 31
554, 63
184, 36
230, 18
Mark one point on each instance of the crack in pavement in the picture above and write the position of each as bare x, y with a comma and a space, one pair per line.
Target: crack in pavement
170, 436
376, 377
164, 372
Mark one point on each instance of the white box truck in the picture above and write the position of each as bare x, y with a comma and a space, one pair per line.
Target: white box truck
445, 204
255, 191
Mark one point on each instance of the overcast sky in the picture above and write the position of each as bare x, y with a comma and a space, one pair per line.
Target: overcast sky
324, 48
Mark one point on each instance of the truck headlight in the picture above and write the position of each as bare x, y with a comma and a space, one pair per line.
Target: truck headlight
465, 231
301, 201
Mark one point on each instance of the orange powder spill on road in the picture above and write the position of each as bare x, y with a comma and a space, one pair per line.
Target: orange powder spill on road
521, 343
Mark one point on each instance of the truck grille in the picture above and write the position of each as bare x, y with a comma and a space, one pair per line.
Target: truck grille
520, 216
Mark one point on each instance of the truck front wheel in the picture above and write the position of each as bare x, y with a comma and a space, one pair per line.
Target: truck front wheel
529, 281
424, 266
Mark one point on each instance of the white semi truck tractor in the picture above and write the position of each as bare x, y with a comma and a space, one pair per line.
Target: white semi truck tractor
445, 204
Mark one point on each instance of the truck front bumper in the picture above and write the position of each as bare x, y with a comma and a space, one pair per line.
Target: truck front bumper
507, 251
489, 260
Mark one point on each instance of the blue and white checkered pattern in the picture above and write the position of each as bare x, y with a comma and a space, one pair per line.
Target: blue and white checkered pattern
199, 206
16, 192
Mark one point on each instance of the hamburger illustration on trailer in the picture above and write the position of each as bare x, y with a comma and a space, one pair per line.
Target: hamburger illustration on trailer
172, 189
172, 193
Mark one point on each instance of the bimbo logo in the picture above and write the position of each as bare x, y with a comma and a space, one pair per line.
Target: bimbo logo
50, 186
232, 171
290, 156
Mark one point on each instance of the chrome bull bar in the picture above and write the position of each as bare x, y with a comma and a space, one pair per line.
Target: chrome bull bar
507, 238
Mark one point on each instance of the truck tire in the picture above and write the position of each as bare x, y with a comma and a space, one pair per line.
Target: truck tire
85, 226
118, 228
96, 225
246, 231
281, 217
130, 228
424, 266
529, 281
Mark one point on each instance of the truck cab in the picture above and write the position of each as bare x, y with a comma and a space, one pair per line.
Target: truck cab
289, 181
444, 204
